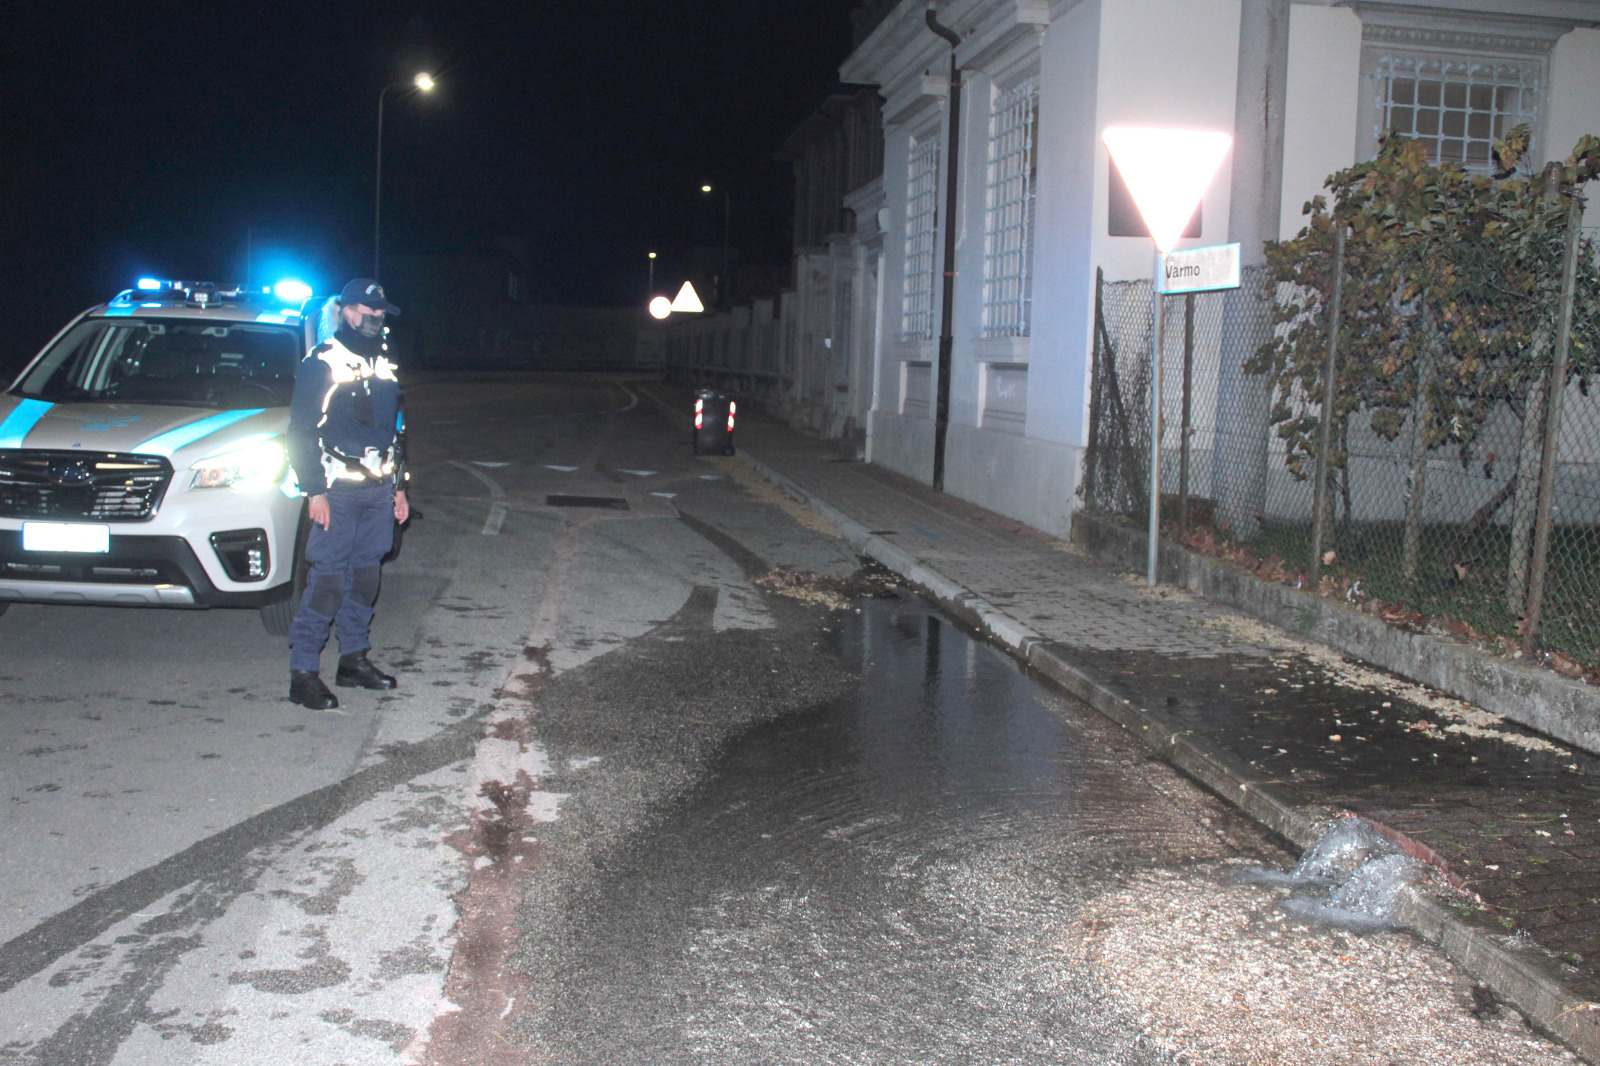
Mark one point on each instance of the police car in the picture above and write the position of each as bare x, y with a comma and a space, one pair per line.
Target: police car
142, 454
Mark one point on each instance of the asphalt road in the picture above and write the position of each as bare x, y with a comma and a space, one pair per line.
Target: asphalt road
627, 805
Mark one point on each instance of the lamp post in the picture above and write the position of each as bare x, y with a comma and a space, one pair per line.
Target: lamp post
650, 289
1168, 172
422, 83
724, 285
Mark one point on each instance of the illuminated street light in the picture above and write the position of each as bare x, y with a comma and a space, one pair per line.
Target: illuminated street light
650, 289
422, 83
1168, 172
724, 287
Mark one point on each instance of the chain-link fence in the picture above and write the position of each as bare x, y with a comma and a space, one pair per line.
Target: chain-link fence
1208, 418
1461, 455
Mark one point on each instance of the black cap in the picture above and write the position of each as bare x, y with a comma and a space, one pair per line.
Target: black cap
369, 292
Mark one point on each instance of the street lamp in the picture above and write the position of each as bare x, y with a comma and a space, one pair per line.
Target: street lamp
650, 289
1168, 172
723, 284
422, 83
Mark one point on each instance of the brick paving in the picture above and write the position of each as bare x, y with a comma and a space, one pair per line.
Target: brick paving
1515, 817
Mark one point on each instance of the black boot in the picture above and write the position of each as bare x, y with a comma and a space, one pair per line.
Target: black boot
307, 689
356, 672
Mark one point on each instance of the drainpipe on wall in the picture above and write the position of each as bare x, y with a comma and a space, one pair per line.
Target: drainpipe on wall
941, 410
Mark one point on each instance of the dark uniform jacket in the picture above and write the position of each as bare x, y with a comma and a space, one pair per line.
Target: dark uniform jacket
346, 421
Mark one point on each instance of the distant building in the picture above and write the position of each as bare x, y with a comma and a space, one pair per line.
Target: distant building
829, 319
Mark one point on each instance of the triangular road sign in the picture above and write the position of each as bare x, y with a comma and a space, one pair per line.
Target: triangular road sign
1167, 171
687, 299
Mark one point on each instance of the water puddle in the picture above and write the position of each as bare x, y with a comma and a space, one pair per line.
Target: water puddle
881, 878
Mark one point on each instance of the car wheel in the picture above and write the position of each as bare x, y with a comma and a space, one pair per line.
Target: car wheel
275, 617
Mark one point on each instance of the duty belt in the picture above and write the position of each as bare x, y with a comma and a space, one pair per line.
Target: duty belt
355, 469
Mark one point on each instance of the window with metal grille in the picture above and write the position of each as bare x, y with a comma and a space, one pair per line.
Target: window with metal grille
922, 223
1456, 106
1008, 230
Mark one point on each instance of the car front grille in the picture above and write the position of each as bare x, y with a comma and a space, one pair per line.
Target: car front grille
104, 486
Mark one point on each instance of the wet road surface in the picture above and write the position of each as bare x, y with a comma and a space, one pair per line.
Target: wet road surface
903, 850
880, 877
629, 805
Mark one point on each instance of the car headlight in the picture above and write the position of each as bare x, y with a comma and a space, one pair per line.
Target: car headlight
251, 465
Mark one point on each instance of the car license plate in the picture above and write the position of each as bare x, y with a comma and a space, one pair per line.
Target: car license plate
65, 537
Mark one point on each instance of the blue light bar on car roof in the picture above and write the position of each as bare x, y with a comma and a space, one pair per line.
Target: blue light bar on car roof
292, 291
151, 284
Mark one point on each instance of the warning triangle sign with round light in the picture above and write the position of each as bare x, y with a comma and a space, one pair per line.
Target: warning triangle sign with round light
1168, 172
687, 299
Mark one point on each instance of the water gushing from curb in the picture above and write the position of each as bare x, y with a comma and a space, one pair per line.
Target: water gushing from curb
1350, 877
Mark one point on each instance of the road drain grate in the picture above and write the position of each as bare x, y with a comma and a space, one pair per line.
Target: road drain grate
610, 503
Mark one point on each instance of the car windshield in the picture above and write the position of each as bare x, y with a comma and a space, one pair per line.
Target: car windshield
181, 361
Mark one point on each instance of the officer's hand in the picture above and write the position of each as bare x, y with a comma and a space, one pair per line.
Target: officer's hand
317, 508
402, 508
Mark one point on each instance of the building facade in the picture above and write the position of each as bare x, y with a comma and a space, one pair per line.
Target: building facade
1307, 88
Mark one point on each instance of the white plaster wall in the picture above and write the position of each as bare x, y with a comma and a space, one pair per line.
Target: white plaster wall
1574, 107
1063, 280
904, 445
1165, 63
1033, 481
1322, 105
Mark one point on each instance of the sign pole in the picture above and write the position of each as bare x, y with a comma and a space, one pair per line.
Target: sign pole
1167, 171
1155, 427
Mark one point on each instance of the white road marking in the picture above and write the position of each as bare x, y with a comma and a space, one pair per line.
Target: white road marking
637, 473
563, 469
633, 400
710, 477
484, 462
497, 510
664, 495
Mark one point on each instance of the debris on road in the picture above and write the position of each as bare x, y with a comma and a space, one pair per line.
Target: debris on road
835, 593
1218, 973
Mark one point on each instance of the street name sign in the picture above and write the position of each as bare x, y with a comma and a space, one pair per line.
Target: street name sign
1200, 269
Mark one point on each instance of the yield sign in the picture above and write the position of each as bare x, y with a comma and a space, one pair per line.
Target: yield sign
1167, 171
687, 299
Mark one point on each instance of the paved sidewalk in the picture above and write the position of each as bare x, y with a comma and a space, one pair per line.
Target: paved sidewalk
1289, 729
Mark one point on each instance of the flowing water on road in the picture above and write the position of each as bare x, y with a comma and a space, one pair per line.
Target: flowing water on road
883, 878
945, 864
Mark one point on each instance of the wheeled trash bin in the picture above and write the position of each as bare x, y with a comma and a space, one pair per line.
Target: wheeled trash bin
713, 423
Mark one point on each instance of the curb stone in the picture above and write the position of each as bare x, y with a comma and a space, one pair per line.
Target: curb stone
1526, 978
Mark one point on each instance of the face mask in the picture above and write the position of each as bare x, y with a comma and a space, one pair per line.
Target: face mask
370, 326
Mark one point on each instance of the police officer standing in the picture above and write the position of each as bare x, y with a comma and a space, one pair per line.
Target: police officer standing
348, 452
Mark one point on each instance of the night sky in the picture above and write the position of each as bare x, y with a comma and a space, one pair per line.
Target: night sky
154, 137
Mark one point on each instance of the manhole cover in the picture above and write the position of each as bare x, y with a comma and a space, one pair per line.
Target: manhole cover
613, 503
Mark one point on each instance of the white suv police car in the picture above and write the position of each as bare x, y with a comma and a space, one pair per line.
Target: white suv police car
142, 457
